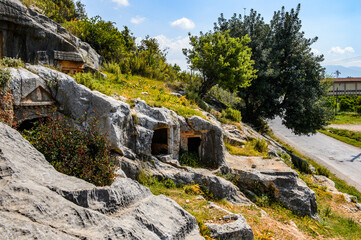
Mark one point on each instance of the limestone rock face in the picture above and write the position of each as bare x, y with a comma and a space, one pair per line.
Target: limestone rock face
219, 187
212, 148
275, 178
79, 102
38, 202
35, 38
236, 230
150, 122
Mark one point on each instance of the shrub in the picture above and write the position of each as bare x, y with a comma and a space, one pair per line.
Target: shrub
85, 79
232, 114
169, 183
145, 178
11, 62
112, 67
323, 171
192, 189
346, 104
83, 154
190, 159
5, 78
260, 145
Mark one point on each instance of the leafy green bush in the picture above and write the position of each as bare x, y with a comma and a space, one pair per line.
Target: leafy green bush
346, 104
323, 171
11, 62
190, 159
232, 114
260, 145
83, 154
5, 78
112, 67
85, 79
169, 183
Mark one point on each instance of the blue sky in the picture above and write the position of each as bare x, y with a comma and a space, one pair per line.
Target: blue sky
336, 23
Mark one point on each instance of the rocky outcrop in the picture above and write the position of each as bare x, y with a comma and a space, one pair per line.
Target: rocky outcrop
217, 186
275, 178
143, 131
237, 229
331, 187
257, 175
149, 120
211, 149
35, 38
38, 202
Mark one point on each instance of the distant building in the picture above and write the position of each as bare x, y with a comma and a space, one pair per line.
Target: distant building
346, 86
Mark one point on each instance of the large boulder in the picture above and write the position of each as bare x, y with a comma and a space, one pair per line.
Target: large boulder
236, 229
273, 177
38, 202
35, 38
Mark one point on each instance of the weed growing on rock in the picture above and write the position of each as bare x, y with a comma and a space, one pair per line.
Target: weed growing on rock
11, 62
260, 145
190, 159
83, 154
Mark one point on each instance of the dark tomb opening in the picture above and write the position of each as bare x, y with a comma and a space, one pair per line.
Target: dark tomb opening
160, 141
29, 124
193, 144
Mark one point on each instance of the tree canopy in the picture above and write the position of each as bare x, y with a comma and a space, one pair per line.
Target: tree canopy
221, 59
289, 75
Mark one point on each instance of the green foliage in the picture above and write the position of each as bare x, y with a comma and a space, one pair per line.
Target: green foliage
83, 154
289, 75
5, 78
346, 104
323, 171
222, 60
349, 137
85, 79
102, 35
11, 62
6, 98
145, 178
112, 67
169, 183
260, 145
190, 159
232, 114
59, 10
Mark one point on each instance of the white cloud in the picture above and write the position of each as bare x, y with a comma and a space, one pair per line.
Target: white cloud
174, 48
183, 23
340, 50
121, 2
137, 20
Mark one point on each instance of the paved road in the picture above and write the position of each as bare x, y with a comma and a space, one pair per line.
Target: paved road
340, 158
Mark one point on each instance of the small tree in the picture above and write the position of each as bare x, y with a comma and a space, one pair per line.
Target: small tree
222, 60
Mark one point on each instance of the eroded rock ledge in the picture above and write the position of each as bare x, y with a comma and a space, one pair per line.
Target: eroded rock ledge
39, 202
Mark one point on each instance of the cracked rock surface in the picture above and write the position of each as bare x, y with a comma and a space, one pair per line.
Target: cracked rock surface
37, 202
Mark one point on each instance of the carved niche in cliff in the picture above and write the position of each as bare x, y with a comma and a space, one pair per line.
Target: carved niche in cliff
36, 100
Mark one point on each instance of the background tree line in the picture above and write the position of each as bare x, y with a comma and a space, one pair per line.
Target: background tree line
268, 69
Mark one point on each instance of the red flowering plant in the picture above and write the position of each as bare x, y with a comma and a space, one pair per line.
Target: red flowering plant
83, 153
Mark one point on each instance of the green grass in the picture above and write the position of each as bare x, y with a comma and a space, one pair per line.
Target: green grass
154, 93
251, 148
345, 136
347, 118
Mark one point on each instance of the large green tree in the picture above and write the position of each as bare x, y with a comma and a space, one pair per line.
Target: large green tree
289, 75
221, 60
